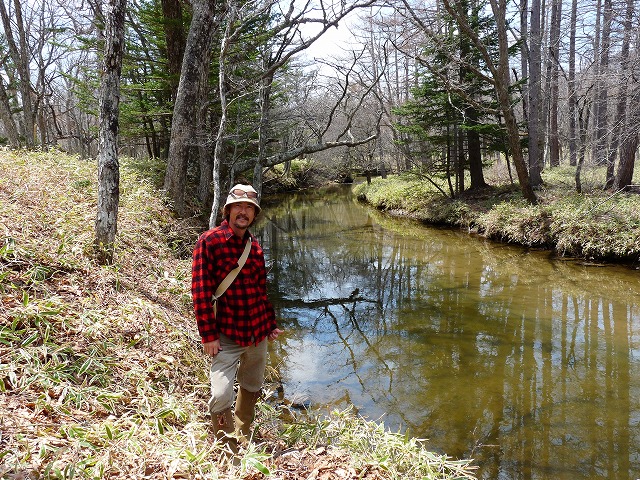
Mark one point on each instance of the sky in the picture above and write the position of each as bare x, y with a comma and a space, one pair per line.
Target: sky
332, 43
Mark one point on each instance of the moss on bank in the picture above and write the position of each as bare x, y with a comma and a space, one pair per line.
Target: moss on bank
596, 225
102, 373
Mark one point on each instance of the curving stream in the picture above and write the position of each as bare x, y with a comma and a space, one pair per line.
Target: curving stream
527, 364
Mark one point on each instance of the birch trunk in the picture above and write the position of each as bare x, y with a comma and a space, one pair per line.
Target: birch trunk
108, 166
554, 53
222, 80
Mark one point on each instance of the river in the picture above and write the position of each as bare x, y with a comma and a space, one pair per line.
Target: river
527, 364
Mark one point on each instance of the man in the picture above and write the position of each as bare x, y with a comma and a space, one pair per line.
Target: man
235, 333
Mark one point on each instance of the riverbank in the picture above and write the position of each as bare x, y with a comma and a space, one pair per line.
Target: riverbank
596, 225
102, 372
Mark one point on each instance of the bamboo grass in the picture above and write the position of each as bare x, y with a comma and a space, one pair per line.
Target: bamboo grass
101, 369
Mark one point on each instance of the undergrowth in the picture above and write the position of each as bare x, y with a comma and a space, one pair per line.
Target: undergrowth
594, 225
101, 369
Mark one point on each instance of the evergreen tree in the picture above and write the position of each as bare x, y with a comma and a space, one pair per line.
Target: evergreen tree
454, 108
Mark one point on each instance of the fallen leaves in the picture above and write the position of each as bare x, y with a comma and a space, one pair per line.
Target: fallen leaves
324, 463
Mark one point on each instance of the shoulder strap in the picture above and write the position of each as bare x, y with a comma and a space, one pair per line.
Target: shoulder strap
231, 276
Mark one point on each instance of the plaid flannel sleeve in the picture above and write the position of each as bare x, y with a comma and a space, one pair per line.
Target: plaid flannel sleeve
202, 289
270, 313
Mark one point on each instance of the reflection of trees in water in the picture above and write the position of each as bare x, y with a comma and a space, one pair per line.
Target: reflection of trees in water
485, 349
541, 374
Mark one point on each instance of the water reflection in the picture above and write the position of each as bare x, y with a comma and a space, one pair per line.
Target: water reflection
528, 365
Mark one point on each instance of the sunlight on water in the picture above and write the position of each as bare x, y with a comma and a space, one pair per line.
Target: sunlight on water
529, 365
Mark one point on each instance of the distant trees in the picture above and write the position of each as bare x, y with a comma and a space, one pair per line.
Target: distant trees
466, 83
49, 83
214, 98
257, 44
44, 54
448, 103
547, 114
19, 53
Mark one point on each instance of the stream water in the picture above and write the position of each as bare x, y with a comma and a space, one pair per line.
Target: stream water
528, 364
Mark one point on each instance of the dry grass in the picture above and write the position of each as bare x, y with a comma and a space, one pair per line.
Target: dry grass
101, 370
595, 225
96, 361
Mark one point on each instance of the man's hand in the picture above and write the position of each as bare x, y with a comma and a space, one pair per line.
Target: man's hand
274, 334
212, 348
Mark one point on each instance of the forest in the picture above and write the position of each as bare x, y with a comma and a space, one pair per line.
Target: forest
102, 373
219, 89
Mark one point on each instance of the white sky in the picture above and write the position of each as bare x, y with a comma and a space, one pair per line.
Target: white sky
332, 43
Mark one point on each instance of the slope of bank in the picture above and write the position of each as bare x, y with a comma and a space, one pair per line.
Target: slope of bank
101, 369
595, 225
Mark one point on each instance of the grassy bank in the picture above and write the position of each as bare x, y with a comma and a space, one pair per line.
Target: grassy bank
101, 369
594, 225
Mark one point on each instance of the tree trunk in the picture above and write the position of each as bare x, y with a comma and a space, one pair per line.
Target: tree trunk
475, 153
222, 84
183, 136
554, 53
448, 156
573, 104
460, 160
174, 36
108, 167
7, 118
516, 152
603, 101
20, 56
535, 97
501, 74
263, 129
628, 151
205, 155
524, 55
583, 125
601, 95
629, 143
624, 125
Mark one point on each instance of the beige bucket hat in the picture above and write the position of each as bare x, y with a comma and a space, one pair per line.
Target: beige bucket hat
242, 193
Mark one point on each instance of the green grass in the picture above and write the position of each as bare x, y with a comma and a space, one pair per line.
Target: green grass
595, 224
102, 374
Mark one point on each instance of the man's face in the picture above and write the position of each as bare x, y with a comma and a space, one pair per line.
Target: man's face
242, 214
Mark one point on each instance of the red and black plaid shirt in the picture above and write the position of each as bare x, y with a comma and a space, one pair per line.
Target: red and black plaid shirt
244, 313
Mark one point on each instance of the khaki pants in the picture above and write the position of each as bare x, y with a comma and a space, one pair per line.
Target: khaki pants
246, 363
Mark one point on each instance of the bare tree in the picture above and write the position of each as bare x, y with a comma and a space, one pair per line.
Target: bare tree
602, 99
534, 90
285, 41
202, 29
108, 166
502, 82
553, 72
19, 52
628, 122
222, 74
571, 84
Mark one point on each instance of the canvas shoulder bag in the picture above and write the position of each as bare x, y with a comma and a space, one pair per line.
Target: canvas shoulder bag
231, 276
